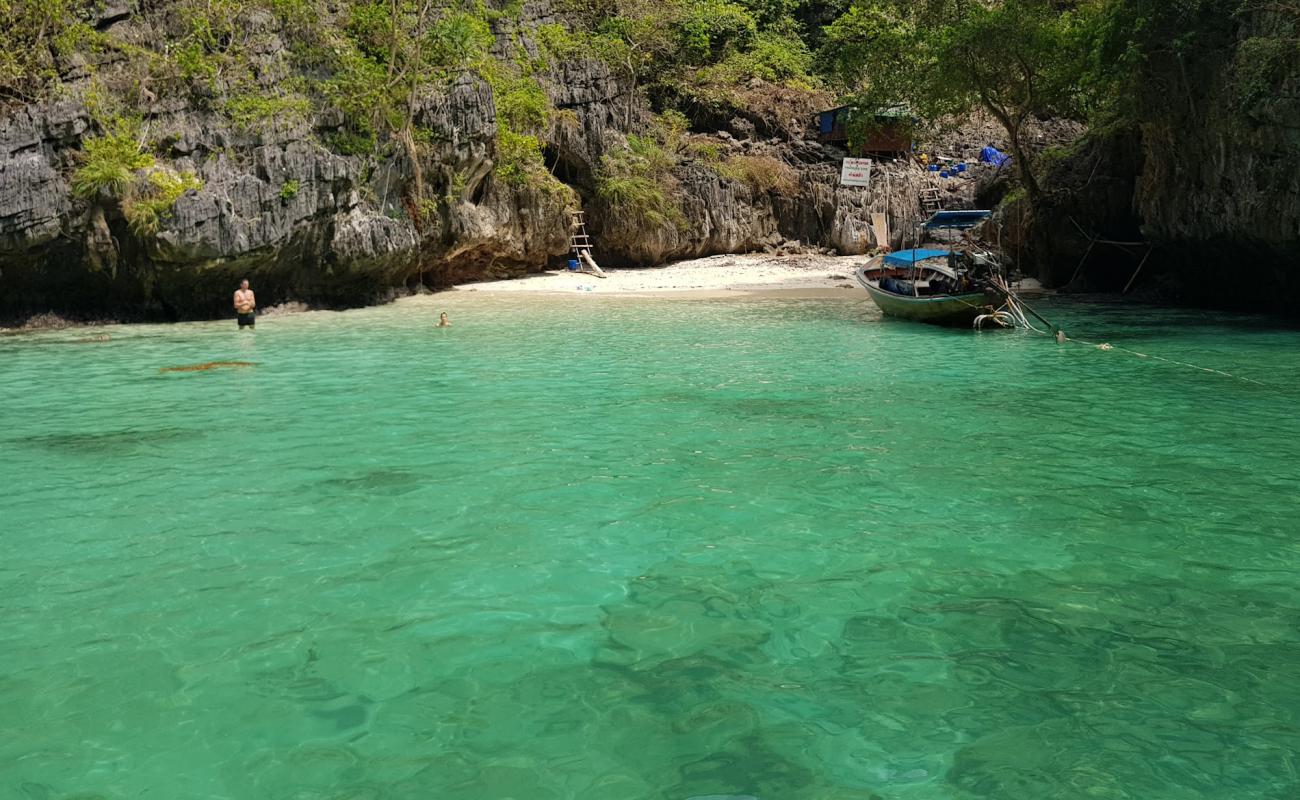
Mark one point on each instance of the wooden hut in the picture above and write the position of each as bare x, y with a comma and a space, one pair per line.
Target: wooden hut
888, 133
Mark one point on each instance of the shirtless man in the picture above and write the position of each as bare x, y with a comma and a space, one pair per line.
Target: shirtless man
245, 305
443, 322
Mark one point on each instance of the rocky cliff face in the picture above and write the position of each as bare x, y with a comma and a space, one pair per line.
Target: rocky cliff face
306, 222
1206, 174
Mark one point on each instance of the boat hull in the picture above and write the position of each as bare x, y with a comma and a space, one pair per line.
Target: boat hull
957, 309
949, 310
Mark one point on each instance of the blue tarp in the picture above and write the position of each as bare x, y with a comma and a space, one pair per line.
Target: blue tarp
906, 258
827, 119
994, 156
957, 220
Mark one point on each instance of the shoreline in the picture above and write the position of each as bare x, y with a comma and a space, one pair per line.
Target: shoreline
803, 276
752, 274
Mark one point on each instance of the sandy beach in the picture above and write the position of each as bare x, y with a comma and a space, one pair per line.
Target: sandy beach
790, 275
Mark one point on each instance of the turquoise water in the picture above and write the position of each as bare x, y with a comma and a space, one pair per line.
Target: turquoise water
607, 548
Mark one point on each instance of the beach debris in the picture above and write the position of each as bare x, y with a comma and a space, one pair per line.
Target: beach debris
207, 365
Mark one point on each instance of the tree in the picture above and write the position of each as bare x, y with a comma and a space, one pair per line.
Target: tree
639, 35
1014, 58
392, 52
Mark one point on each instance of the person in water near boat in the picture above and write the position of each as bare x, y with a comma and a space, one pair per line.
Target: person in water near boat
245, 305
443, 322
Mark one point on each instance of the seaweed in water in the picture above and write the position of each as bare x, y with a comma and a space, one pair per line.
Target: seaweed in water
108, 442
377, 481
207, 365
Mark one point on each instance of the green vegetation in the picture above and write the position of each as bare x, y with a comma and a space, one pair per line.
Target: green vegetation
1014, 58
251, 112
701, 50
288, 190
637, 183
116, 167
376, 71
150, 200
27, 32
110, 161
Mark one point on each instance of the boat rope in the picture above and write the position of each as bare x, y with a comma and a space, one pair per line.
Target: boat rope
1015, 313
1015, 310
1106, 346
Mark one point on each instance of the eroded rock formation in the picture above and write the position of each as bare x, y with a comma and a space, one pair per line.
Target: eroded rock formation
306, 222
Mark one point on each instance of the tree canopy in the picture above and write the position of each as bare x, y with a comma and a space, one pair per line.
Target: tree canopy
1014, 58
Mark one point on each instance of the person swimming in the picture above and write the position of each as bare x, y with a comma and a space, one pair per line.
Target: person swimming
443, 322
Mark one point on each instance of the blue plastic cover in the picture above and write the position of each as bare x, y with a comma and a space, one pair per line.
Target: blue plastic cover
827, 121
906, 258
994, 156
960, 220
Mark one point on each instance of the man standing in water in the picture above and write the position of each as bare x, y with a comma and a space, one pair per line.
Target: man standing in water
245, 305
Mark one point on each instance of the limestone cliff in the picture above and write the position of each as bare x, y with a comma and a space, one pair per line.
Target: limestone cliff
1203, 169
307, 220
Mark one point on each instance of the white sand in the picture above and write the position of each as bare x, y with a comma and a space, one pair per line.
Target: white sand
718, 275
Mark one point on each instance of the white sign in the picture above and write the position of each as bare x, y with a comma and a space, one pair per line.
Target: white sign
856, 172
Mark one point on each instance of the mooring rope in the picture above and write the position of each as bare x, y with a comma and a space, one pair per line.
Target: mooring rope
1014, 309
1014, 303
1106, 346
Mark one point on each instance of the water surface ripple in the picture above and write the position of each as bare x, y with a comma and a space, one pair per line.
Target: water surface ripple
650, 549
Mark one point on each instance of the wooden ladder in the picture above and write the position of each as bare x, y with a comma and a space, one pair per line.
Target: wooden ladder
931, 200
578, 238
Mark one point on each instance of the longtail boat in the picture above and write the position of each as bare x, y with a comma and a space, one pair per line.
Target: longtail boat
940, 286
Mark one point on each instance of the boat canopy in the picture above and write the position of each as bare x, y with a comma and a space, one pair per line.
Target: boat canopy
958, 220
907, 258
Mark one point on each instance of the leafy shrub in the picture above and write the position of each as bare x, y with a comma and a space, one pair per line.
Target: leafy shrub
297, 14
359, 90
150, 201
779, 57
1261, 65
671, 127
637, 184
251, 111
776, 58
353, 143
713, 29
194, 62
647, 157
522, 104
369, 26
708, 152
638, 200
559, 42
288, 190
518, 156
27, 30
458, 40
109, 162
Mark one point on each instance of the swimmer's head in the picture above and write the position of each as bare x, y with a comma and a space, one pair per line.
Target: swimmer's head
443, 316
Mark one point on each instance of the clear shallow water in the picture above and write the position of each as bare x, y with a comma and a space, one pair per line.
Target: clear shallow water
625, 549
